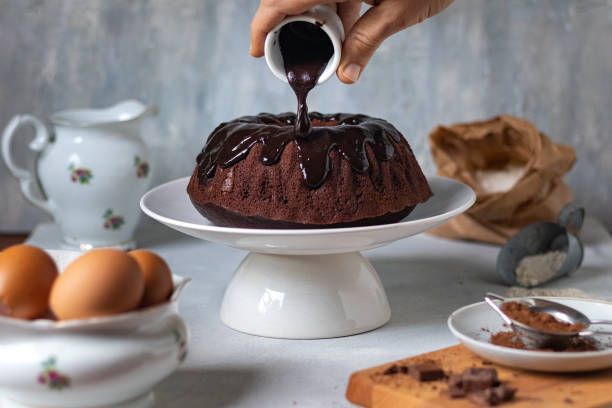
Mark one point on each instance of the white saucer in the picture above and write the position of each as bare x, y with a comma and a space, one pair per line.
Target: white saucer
467, 325
305, 283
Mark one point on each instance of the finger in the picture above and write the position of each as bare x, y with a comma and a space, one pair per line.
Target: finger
264, 21
420, 10
379, 22
349, 13
293, 7
365, 36
269, 14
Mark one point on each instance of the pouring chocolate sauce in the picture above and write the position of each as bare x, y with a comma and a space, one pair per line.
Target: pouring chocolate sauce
306, 50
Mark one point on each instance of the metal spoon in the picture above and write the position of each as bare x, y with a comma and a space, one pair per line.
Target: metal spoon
534, 338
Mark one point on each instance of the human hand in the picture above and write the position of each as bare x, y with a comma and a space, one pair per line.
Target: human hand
364, 33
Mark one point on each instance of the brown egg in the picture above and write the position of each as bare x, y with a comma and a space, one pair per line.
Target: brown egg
27, 274
101, 282
157, 275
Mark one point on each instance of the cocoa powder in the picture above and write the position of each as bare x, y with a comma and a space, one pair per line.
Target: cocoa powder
507, 339
522, 313
510, 339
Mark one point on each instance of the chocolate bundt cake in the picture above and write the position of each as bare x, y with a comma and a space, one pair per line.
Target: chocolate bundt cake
351, 170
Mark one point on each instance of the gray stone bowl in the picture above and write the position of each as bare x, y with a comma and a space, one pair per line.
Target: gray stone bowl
542, 237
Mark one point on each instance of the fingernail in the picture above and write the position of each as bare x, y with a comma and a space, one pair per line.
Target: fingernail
352, 71
251, 49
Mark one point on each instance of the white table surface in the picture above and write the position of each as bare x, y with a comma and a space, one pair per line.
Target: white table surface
425, 277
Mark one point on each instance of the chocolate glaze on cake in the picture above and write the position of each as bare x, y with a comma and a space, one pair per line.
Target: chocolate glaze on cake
348, 134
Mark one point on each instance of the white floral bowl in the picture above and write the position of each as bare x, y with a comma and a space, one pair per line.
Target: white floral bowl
111, 361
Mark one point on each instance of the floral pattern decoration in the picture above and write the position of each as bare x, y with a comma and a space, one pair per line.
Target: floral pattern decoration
112, 222
182, 344
142, 167
51, 377
80, 175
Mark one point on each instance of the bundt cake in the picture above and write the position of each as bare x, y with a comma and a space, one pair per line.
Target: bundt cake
349, 170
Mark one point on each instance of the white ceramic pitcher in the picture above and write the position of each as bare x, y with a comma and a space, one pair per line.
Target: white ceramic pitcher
92, 169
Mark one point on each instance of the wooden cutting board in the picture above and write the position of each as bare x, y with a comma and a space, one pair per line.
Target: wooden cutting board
370, 388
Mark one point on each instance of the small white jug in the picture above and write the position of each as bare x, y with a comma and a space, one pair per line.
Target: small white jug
92, 170
323, 16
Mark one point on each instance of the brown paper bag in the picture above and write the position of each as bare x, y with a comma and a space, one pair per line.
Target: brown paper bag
515, 170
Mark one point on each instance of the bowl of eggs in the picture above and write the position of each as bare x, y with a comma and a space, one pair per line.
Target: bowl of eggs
98, 329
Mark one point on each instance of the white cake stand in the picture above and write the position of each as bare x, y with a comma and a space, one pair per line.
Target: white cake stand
310, 283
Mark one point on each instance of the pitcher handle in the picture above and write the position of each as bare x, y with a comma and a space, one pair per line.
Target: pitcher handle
27, 180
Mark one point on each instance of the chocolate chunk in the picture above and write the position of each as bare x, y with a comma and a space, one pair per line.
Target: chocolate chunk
391, 370
426, 372
492, 396
480, 385
483, 397
456, 392
503, 392
479, 378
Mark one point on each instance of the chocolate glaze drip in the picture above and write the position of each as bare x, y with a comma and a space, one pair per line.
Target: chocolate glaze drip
231, 142
306, 49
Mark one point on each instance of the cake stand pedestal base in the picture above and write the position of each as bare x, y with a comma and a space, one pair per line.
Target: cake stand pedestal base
305, 296
302, 291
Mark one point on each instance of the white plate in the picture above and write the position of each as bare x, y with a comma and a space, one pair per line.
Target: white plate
467, 325
170, 205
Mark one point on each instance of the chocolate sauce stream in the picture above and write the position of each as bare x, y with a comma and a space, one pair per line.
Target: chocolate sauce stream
306, 50
348, 134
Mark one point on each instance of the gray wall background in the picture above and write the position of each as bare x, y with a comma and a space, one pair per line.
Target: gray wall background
549, 61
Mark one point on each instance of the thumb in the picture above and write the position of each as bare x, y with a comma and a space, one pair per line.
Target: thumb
366, 35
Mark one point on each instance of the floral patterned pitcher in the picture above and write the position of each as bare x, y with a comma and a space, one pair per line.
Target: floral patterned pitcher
92, 170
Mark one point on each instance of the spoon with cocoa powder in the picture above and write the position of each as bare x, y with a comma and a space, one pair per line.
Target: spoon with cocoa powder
542, 323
